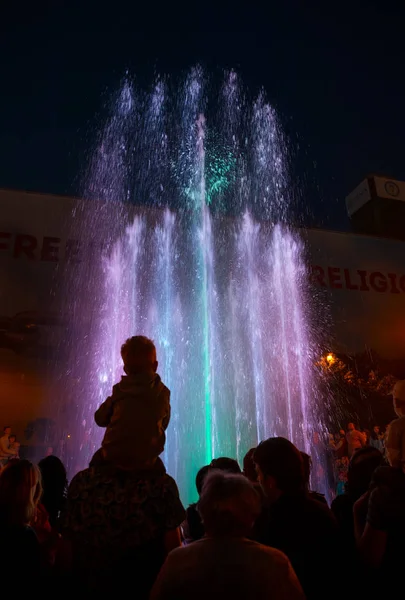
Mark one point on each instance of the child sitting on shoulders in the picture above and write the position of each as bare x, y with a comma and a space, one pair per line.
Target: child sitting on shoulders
137, 413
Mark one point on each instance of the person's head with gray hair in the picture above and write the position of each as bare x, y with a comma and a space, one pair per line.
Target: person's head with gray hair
229, 504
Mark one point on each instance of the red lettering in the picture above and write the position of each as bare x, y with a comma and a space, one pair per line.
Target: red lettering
25, 244
363, 276
334, 278
378, 282
402, 282
4, 236
50, 249
393, 280
318, 275
348, 283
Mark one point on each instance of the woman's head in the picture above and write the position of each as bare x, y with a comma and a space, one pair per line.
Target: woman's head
229, 504
54, 483
53, 473
20, 492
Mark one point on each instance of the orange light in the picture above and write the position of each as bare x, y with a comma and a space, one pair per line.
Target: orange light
330, 358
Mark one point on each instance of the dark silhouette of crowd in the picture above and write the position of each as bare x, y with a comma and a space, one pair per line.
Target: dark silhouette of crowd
119, 527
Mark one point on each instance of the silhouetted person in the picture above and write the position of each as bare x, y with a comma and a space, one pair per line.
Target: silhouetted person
303, 528
225, 564
193, 527
137, 413
54, 486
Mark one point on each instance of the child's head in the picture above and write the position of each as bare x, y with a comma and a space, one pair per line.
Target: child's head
12, 439
139, 355
399, 398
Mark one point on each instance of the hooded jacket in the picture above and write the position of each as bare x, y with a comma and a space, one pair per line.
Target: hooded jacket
136, 416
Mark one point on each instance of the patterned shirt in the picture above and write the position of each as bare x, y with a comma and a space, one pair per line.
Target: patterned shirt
115, 516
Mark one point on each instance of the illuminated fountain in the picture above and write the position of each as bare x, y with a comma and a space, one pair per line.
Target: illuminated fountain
207, 267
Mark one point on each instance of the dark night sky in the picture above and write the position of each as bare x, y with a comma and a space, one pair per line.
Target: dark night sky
335, 74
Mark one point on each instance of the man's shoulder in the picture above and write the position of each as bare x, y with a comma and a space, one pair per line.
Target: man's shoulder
266, 551
319, 511
195, 548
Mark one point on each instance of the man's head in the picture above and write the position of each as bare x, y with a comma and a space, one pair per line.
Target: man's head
7, 430
350, 427
398, 393
279, 466
376, 429
223, 463
139, 355
229, 504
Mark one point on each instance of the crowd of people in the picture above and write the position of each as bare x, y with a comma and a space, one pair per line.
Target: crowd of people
119, 527
344, 444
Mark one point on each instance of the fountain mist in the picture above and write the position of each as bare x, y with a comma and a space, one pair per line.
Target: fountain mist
208, 268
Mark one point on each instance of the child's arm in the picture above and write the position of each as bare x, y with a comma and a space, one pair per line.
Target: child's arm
103, 414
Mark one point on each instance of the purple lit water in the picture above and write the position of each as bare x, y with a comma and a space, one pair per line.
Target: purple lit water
208, 268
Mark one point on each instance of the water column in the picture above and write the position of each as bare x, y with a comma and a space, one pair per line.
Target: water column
165, 333
205, 236
294, 269
248, 246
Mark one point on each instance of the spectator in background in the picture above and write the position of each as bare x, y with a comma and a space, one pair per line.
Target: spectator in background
54, 485
377, 439
14, 446
5, 452
361, 468
307, 463
340, 444
226, 464
249, 468
355, 439
379, 517
193, 528
304, 529
20, 491
225, 564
